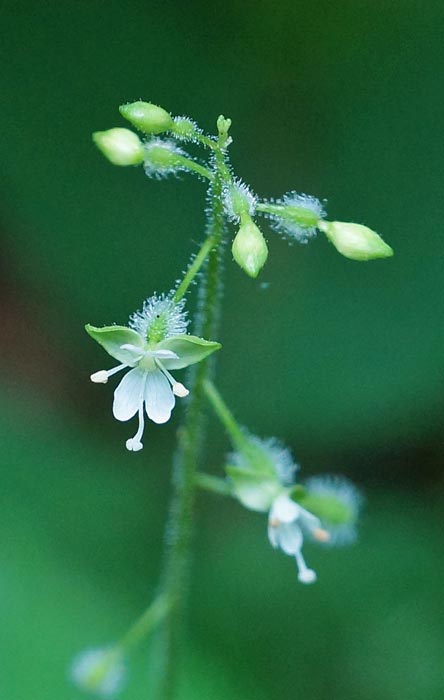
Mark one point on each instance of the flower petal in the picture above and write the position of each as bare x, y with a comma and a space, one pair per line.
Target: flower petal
128, 395
159, 397
290, 538
284, 509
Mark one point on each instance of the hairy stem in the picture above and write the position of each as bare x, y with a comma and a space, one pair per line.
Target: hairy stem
145, 624
190, 445
208, 245
238, 437
213, 484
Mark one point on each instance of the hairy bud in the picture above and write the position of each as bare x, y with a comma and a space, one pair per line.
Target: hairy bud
147, 117
249, 247
120, 146
355, 241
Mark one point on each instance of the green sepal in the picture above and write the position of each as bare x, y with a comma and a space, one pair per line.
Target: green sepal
329, 509
255, 490
189, 348
112, 337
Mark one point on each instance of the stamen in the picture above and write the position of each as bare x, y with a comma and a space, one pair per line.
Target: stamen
178, 389
135, 443
101, 377
138, 352
321, 535
305, 575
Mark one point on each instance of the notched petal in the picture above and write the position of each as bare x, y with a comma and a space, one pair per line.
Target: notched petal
159, 397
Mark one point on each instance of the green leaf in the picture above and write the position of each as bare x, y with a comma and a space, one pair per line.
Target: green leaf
252, 489
189, 349
113, 337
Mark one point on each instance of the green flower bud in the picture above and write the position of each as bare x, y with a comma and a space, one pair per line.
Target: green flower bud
120, 146
147, 117
223, 125
355, 241
249, 247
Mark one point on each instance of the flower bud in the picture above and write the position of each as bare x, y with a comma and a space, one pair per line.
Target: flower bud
355, 241
120, 146
249, 247
223, 125
99, 672
147, 117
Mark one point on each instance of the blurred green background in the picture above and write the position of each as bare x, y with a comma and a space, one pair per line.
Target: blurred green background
343, 361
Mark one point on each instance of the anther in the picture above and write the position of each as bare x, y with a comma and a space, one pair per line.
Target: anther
321, 535
180, 390
100, 377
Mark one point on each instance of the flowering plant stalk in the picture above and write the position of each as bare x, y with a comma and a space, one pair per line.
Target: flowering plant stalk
260, 473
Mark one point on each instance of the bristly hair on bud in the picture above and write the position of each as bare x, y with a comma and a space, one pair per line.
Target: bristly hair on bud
298, 216
163, 157
277, 456
337, 502
185, 129
238, 199
160, 313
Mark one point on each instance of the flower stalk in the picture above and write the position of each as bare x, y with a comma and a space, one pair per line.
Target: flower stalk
260, 472
179, 529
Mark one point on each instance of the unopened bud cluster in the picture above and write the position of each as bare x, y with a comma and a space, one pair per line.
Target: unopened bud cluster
297, 217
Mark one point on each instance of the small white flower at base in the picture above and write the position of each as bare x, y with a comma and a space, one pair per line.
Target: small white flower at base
154, 342
100, 672
285, 522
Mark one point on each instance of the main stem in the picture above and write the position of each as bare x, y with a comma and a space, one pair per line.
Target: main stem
190, 444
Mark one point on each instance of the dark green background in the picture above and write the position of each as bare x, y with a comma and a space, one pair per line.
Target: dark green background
342, 360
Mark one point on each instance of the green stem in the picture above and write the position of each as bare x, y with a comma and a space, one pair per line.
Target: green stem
298, 215
146, 623
190, 444
195, 266
224, 414
195, 167
214, 484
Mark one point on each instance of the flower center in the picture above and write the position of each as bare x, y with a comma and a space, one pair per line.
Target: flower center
158, 328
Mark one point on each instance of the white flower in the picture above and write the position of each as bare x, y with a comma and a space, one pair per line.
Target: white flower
101, 672
154, 343
287, 521
324, 509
